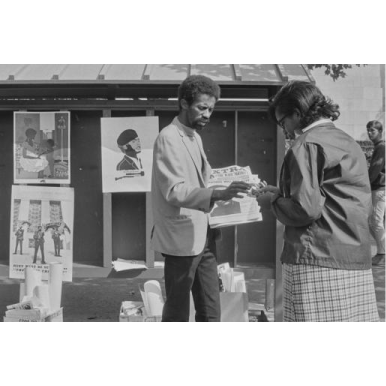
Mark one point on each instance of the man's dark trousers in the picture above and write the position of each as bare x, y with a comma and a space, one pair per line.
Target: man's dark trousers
197, 274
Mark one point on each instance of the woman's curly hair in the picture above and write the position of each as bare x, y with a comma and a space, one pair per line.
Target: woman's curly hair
307, 99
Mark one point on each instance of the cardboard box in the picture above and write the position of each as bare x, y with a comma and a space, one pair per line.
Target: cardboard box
135, 312
56, 316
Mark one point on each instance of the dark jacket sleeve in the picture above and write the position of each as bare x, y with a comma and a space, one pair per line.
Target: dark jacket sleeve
377, 164
304, 202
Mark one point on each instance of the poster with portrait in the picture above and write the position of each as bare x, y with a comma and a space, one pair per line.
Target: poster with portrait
127, 153
42, 147
42, 220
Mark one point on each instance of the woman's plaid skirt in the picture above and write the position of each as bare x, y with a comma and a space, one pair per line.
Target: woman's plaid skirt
318, 294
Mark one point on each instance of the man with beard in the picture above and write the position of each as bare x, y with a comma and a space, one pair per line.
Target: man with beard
130, 145
181, 203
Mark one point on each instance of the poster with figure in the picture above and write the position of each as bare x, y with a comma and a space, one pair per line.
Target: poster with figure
42, 220
127, 153
42, 147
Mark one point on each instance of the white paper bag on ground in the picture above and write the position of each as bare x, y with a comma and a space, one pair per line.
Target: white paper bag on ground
43, 294
225, 273
33, 278
227, 280
238, 284
55, 285
234, 307
152, 298
232, 280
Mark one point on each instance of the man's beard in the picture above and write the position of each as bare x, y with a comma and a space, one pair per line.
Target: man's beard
197, 126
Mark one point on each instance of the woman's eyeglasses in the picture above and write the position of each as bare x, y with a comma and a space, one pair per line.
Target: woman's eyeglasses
281, 122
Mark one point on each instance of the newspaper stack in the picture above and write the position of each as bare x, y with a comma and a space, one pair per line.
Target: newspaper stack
238, 210
38, 301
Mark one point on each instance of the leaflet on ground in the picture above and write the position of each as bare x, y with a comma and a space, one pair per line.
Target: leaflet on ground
238, 210
124, 265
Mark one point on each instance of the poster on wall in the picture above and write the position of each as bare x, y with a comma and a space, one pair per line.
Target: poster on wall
41, 147
127, 153
41, 226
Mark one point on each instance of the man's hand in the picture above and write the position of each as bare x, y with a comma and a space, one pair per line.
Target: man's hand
232, 191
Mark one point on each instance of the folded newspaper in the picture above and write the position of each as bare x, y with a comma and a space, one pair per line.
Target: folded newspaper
238, 210
125, 265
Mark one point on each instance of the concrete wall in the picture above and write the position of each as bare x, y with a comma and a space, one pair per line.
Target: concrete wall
360, 95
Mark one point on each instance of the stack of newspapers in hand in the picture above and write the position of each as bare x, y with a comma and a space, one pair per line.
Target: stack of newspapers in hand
238, 210
38, 301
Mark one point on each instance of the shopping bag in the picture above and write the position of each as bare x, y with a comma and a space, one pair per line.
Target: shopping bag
234, 307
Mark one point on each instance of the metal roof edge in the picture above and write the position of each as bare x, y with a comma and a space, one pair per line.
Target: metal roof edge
55, 82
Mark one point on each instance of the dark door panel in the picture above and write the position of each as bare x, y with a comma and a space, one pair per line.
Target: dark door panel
257, 149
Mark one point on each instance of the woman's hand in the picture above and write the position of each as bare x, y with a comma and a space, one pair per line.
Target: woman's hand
262, 187
264, 200
270, 189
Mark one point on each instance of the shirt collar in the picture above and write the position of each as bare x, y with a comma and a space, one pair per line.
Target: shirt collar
187, 130
316, 123
378, 142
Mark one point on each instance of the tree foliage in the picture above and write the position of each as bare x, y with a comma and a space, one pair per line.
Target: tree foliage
334, 70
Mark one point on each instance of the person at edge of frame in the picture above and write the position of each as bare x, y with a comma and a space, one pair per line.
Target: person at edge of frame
181, 203
377, 182
324, 201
